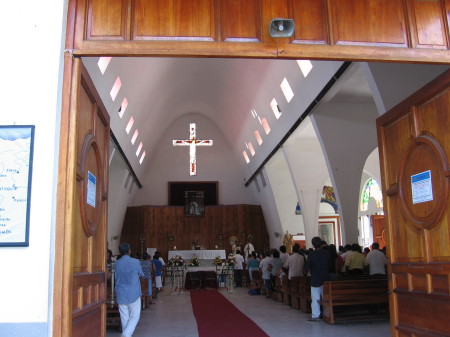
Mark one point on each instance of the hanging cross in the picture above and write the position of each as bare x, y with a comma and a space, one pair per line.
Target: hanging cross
192, 142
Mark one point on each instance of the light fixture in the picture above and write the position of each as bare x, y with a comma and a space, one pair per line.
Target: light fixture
281, 27
298, 209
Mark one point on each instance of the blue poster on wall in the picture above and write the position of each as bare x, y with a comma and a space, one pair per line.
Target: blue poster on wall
16, 159
91, 189
421, 187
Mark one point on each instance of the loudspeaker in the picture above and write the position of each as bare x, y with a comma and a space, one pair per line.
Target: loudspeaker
281, 27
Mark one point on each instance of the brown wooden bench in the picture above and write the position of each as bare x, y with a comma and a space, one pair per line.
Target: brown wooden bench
355, 299
112, 313
304, 294
293, 293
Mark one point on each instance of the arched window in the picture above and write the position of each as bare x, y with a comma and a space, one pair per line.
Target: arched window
371, 190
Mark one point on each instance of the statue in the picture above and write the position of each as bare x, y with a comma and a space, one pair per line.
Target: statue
288, 241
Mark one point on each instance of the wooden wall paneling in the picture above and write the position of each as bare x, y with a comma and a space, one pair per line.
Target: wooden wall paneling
240, 20
162, 221
192, 20
369, 23
311, 21
428, 22
108, 20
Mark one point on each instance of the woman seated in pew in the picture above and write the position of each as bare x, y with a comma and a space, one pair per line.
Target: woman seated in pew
355, 263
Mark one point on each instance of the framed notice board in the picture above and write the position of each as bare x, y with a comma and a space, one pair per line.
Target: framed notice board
16, 161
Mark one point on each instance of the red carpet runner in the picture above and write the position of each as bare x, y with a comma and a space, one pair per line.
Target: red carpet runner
218, 317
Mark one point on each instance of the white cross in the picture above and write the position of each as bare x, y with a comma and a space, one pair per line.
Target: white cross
192, 142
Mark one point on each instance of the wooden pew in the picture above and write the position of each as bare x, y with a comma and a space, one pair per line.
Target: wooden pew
293, 293
355, 299
285, 290
304, 294
277, 294
112, 312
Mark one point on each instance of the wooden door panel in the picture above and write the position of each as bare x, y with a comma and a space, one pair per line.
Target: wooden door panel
240, 21
414, 138
427, 24
191, 20
310, 17
107, 19
88, 233
367, 22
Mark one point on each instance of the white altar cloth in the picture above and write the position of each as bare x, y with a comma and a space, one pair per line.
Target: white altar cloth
201, 254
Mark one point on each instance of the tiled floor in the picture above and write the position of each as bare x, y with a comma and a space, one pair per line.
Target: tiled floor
171, 316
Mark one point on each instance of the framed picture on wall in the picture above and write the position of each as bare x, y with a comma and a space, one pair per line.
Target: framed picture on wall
326, 232
16, 162
194, 203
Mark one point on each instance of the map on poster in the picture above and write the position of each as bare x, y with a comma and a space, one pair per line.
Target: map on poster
16, 143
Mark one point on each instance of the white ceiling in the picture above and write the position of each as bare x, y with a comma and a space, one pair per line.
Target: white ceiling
161, 90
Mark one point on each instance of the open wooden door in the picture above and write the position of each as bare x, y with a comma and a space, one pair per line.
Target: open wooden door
81, 254
414, 144
377, 222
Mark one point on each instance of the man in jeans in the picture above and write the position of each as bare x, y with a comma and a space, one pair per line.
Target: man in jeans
318, 266
128, 289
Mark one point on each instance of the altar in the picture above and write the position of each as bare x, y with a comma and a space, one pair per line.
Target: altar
200, 254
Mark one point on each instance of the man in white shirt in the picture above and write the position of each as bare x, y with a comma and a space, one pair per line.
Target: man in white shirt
239, 259
163, 270
248, 249
295, 263
283, 255
266, 268
376, 261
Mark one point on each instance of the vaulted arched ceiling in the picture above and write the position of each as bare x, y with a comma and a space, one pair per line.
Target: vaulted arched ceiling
160, 90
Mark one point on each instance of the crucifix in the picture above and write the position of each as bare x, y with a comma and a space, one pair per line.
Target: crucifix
192, 142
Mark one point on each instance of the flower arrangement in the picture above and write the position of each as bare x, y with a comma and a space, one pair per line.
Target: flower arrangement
177, 261
194, 262
217, 261
230, 261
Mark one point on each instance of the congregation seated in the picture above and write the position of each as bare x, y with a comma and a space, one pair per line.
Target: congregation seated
355, 263
376, 261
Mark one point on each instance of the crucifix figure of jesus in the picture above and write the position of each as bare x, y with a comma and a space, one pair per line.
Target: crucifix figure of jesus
192, 142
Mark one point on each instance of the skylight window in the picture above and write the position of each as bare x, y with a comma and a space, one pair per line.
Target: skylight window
115, 89
265, 125
142, 158
275, 108
103, 63
123, 107
133, 139
305, 66
252, 150
247, 159
139, 149
258, 137
287, 90
129, 125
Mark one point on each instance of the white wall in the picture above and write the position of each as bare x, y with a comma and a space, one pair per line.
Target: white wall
265, 197
32, 74
348, 135
309, 170
285, 196
121, 190
216, 163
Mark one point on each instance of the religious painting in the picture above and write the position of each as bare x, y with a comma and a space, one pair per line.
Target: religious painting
194, 203
326, 232
177, 190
